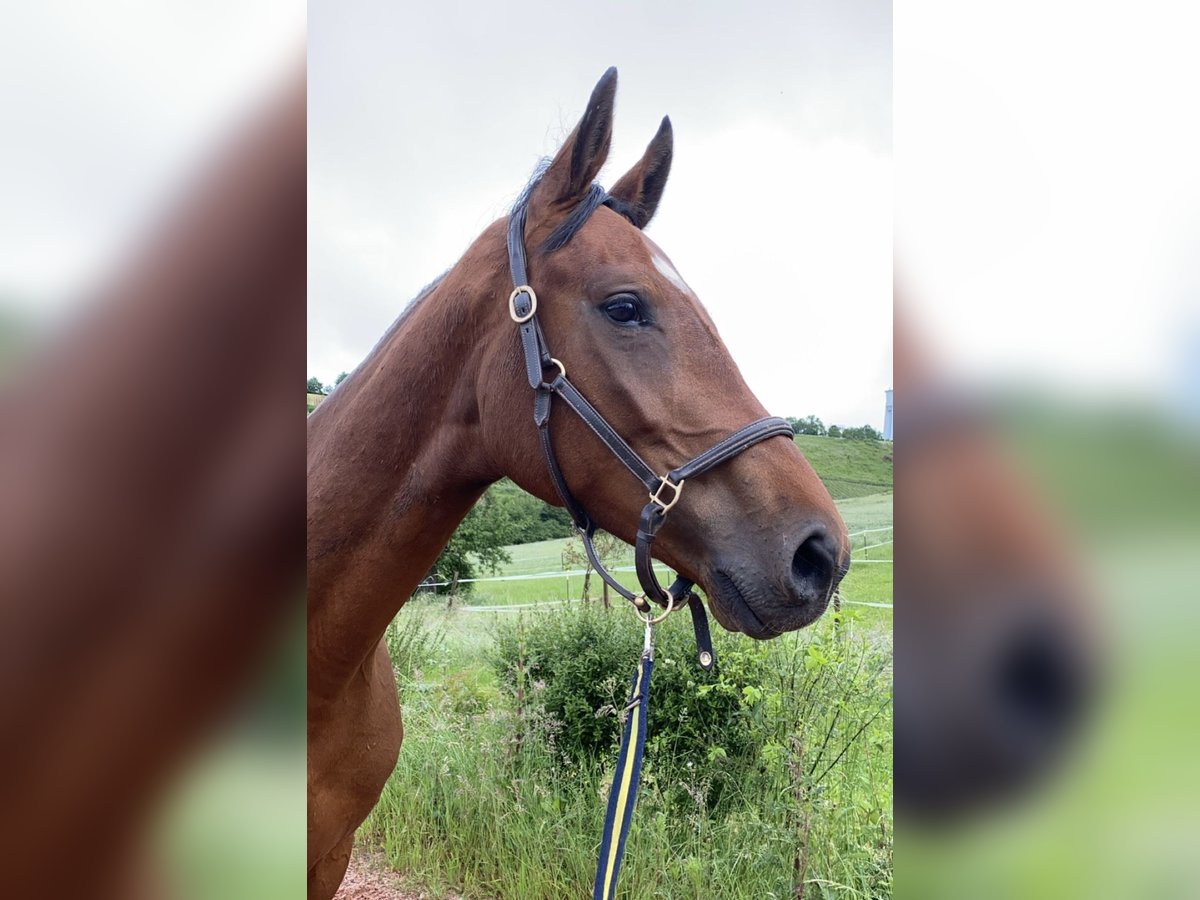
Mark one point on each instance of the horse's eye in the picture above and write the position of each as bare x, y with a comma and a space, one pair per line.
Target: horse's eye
624, 308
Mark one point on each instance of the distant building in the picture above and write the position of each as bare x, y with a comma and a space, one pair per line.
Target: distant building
887, 415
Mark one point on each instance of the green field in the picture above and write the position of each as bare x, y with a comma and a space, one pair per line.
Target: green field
849, 468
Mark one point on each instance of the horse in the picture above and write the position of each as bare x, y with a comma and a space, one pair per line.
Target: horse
150, 556
439, 410
997, 651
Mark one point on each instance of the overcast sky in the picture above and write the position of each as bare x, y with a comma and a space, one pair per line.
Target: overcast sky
425, 121
1048, 204
1046, 228
106, 111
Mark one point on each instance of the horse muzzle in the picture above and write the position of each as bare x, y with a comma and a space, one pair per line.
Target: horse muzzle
785, 593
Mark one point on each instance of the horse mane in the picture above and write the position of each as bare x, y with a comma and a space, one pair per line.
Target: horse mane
570, 226
562, 234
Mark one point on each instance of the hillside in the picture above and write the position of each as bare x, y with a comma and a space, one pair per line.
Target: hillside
849, 468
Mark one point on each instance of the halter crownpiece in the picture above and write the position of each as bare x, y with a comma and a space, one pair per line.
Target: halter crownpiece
664, 491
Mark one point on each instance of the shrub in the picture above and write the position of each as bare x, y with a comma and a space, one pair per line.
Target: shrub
527, 518
761, 701
412, 645
777, 763
577, 665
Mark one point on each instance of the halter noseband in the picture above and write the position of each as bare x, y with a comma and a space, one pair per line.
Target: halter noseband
664, 490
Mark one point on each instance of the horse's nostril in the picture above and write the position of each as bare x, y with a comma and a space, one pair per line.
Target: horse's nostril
1038, 682
815, 563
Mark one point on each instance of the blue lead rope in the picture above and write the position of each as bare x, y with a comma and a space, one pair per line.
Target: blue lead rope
623, 795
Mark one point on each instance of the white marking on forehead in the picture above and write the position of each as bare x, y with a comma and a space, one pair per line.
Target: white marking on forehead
668, 271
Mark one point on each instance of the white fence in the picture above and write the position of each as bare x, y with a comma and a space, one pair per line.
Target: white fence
568, 574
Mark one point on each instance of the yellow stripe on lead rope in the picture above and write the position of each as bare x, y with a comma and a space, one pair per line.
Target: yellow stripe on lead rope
626, 781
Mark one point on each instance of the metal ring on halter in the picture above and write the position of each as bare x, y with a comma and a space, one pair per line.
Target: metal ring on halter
654, 498
671, 607
512, 304
562, 370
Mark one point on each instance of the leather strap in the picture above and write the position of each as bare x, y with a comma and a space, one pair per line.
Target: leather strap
653, 513
742, 439
583, 523
704, 648
516, 245
621, 450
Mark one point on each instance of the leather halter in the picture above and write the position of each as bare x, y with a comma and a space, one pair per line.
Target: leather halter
664, 491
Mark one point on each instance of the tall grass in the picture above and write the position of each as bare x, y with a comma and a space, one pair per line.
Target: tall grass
483, 800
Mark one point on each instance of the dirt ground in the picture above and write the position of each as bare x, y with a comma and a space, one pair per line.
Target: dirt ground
368, 878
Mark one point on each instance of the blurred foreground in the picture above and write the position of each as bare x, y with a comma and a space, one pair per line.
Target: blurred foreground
152, 532
1111, 812
1046, 244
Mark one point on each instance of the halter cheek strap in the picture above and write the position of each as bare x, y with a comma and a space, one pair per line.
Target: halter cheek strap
663, 491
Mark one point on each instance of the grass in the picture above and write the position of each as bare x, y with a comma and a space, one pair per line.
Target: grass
869, 581
849, 468
480, 803
232, 831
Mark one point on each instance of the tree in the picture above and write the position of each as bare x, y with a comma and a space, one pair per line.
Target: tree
528, 518
834, 431
808, 425
315, 386
608, 548
342, 377
479, 540
861, 433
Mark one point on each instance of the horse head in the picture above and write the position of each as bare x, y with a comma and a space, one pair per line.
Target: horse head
760, 534
998, 652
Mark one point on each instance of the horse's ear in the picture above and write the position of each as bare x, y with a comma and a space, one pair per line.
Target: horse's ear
639, 190
580, 159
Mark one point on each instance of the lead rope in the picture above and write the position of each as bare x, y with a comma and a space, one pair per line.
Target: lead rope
626, 779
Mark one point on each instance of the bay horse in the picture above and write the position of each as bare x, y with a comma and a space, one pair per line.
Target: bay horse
997, 652
440, 409
150, 556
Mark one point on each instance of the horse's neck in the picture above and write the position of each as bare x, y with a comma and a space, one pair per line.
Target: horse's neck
394, 466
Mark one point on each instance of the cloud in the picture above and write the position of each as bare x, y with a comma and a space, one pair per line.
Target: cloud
778, 212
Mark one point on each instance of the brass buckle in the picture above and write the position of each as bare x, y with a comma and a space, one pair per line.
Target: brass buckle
678, 488
512, 303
